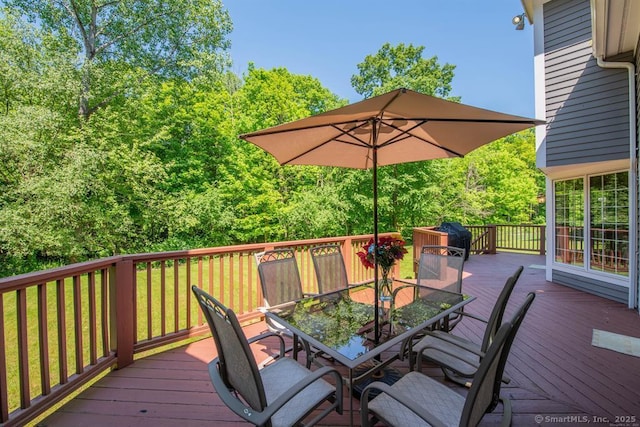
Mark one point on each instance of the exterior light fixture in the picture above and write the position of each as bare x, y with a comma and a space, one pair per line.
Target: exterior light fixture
518, 21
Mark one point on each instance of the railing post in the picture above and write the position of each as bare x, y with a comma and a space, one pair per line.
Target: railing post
347, 254
444, 240
121, 308
543, 239
492, 238
417, 242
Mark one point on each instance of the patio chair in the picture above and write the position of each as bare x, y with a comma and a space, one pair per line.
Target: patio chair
417, 399
328, 264
459, 357
282, 393
441, 267
279, 276
280, 283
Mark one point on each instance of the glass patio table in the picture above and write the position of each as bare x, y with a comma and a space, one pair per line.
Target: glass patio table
340, 324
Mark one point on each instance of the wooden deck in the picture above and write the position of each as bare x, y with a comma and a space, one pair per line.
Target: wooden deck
557, 376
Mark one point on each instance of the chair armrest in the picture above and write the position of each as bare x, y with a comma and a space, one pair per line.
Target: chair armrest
471, 315
368, 282
269, 334
400, 398
466, 346
399, 288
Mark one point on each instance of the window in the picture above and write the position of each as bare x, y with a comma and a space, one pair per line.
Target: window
569, 214
604, 244
609, 223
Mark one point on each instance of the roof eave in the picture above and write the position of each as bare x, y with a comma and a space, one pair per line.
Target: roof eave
615, 27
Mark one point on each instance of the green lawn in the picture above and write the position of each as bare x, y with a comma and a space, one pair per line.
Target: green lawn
406, 264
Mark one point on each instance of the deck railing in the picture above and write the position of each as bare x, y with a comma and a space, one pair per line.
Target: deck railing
62, 328
487, 239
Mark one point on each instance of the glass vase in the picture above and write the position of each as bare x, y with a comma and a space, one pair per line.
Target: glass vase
385, 290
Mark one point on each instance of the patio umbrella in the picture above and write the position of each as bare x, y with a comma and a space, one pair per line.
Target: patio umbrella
397, 127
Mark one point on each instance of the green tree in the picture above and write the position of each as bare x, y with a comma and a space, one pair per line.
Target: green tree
256, 188
393, 67
174, 38
69, 192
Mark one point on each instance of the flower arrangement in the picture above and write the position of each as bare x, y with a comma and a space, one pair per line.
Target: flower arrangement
386, 253
389, 250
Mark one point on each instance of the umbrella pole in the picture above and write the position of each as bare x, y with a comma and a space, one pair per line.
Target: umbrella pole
376, 328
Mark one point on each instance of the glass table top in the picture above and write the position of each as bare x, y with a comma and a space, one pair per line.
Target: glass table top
343, 321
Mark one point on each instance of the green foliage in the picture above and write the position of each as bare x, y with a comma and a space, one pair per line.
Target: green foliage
175, 38
393, 67
154, 161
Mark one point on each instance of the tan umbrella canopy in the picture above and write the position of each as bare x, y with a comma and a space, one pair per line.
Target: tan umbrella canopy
400, 126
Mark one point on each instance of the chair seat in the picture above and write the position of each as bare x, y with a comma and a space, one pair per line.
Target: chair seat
279, 377
450, 351
443, 402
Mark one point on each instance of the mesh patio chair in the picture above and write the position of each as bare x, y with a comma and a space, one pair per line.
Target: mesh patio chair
282, 393
280, 283
279, 276
441, 267
459, 357
417, 400
328, 264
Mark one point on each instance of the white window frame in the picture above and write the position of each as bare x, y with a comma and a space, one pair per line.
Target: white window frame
585, 269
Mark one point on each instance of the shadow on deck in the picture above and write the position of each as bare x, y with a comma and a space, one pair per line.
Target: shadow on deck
557, 376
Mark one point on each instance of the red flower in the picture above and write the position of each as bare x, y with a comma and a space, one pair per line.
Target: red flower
389, 250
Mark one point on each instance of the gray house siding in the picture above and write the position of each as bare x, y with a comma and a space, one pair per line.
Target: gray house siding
592, 286
586, 106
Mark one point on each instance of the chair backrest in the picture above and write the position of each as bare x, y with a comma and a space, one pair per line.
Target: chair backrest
279, 276
484, 394
441, 267
328, 264
236, 363
495, 319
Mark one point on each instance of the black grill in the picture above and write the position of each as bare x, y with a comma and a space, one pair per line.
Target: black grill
459, 236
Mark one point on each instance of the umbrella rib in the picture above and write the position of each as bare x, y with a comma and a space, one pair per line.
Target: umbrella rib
275, 131
406, 134
391, 101
336, 138
453, 119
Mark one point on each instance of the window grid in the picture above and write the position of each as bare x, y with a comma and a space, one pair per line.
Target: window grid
609, 223
569, 214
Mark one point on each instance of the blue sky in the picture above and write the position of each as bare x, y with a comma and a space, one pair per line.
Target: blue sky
328, 38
